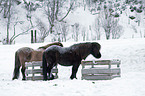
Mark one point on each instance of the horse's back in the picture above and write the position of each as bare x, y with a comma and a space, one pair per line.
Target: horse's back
36, 55
51, 51
24, 52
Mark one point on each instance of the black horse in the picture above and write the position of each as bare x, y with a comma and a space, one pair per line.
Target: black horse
68, 56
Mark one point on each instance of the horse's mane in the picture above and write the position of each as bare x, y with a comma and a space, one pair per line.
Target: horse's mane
48, 45
80, 45
82, 49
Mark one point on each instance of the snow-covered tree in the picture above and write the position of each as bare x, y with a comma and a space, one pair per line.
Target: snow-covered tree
54, 9
30, 7
97, 26
109, 11
42, 33
8, 11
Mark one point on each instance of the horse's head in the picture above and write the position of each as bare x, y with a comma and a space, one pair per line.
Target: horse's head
96, 50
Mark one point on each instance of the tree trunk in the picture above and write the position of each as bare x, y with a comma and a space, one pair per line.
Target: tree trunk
107, 32
8, 23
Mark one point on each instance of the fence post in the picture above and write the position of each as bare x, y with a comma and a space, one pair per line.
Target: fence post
32, 36
35, 37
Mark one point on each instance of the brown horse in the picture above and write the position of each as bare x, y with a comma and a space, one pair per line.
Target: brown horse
27, 54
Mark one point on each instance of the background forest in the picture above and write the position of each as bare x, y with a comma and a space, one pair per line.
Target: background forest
71, 20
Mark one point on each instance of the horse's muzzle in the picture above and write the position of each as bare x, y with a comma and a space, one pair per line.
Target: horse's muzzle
99, 55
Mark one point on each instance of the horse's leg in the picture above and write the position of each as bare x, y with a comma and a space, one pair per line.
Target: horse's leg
16, 72
23, 71
17, 66
44, 66
74, 70
49, 70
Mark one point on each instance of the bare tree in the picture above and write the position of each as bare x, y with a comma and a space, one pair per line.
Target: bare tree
42, 30
54, 12
75, 34
14, 36
109, 11
97, 26
7, 12
30, 7
61, 31
84, 33
111, 26
117, 30
109, 20
64, 31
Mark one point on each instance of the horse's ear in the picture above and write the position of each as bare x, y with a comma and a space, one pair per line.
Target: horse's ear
60, 44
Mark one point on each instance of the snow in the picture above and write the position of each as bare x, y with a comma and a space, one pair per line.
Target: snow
82, 17
131, 52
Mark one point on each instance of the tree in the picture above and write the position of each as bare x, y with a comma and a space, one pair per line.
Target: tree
110, 23
84, 33
14, 36
136, 6
61, 30
9, 13
54, 9
42, 30
117, 30
30, 7
97, 26
109, 11
76, 31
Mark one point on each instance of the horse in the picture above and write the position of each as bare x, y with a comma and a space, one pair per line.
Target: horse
26, 54
68, 56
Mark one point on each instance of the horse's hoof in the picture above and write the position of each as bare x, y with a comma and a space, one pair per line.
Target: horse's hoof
14, 78
50, 78
23, 79
44, 79
72, 77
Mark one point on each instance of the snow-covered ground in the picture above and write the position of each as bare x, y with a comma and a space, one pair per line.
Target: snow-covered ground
131, 52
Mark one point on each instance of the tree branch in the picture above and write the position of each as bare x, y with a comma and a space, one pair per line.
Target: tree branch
14, 32
48, 13
25, 32
71, 5
57, 9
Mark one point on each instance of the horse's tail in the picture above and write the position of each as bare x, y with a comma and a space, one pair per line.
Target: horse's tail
44, 65
17, 66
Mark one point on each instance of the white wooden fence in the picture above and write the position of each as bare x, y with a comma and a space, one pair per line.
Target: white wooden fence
101, 69
34, 70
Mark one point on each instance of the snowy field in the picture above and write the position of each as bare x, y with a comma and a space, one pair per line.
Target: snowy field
131, 52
